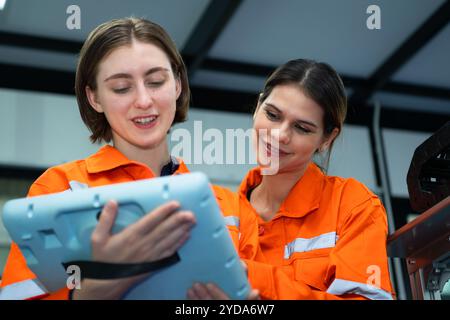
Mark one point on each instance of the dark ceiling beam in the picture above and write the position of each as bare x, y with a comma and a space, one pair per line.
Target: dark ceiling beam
223, 100
417, 90
62, 82
393, 117
20, 172
435, 23
37, 79
208, 29
220, 65
39, 43
258, 70
236, 67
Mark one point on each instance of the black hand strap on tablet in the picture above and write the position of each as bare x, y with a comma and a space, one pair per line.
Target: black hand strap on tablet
104, 270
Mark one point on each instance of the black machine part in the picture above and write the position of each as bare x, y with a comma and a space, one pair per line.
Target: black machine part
429, 172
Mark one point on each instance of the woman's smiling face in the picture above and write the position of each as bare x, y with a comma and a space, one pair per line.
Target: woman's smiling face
137, 91
295, 121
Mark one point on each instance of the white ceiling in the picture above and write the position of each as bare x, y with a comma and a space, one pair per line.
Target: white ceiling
408, 102
431, 65
40, 58
272, 32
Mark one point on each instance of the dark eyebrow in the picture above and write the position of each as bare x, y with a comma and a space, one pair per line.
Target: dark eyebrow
299, 120
128, 76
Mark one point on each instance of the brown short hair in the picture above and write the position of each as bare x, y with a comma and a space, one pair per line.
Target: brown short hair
112, 35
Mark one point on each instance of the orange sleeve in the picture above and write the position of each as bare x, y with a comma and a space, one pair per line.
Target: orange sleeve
274, 284
358, 267
360, 255
62, 294
16, 271
228, 202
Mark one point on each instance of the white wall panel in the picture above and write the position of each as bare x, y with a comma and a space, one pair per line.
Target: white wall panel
352, 156
400, 146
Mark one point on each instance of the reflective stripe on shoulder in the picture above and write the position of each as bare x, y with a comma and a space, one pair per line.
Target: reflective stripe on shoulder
232, 221
326, 240
340, 287
22, 290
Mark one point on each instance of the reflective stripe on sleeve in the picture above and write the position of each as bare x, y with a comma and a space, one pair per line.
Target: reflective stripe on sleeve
326, 240
22, 290
232, 221
339, 287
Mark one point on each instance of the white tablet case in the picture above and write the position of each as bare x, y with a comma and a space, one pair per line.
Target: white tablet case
57, 228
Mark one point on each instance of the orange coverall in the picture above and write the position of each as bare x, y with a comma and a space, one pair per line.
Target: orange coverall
327, 241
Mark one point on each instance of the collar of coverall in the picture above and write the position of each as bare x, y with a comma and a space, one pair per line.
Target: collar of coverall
108, 158
304, 197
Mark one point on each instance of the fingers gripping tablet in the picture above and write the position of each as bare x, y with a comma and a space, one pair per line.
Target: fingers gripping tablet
54, 231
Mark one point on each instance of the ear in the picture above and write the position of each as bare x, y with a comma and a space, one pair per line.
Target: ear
329, 140
93, 101
178, 87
